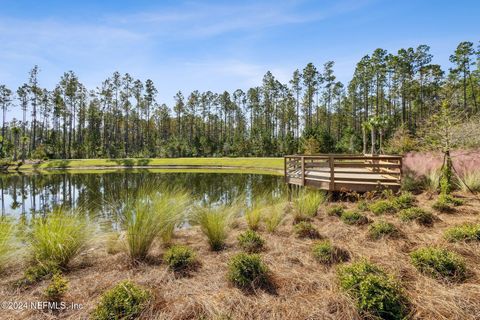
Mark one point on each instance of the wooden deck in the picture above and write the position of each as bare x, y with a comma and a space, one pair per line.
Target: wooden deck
334, 172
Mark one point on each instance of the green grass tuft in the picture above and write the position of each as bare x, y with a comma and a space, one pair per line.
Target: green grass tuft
472, 180
124, 301
306, 204
274, 215
214, 223
439, 263
7, 248
251, 241
59, 238
464, 232
375, 293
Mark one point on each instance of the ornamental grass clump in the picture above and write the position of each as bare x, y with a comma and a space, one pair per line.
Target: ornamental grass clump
325, 252
383, 206
124, 301
248, 271
376, 294
253, 216
439, 263
464, 232
306, 204
7, 248
273, 216
418, 215
470, 181
381, 229
305, 229
353, 217
250, 241
214, 223
151, 216
180, 258
58, 238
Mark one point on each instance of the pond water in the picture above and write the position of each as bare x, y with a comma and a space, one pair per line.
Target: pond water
26, 195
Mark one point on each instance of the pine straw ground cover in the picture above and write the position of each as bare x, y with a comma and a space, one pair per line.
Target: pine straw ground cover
303, 288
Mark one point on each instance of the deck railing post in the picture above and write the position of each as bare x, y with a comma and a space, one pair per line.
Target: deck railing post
303, 170
331, 161
285, 169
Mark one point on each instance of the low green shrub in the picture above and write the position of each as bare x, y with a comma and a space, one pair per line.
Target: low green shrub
57, 288
439, 263
59, 238
404, 201
180, 258
380, 229
418, 215
464, 232
383, 206
305, 229
335, 210
446, 203
363, 205
124, 301
375, 292
250, 241
412, 183
325, 252
353, 217
248, 271
274, 216
39, 271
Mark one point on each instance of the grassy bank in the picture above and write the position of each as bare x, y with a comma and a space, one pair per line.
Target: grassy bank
265, 164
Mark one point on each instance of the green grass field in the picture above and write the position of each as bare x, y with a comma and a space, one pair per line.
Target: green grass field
201, 164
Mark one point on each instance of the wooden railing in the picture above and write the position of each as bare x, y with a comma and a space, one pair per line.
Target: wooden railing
344, 172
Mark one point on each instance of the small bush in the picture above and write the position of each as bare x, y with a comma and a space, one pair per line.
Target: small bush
446, 203
6, 241
412, 183
336, 210
353, 217
464, 232
274, 216
250, 241
404, 201
124, 301
247, 271
418, 215
363, 205
180, 258
305, 229
59, 238
383, 206
57, 288
374, 291
439, 263
39, 271
307, 203
214, 223
380, 229
442, 206
326, 253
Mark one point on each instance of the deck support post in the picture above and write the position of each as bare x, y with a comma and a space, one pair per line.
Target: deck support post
303, 171
331, 161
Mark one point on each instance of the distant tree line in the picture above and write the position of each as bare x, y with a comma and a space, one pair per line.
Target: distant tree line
313, 112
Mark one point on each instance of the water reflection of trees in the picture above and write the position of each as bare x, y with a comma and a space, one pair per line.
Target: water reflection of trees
28, 195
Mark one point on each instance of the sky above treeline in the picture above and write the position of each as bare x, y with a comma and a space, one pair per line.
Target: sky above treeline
217, 45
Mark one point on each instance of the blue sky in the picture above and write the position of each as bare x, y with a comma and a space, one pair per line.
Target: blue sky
217, 45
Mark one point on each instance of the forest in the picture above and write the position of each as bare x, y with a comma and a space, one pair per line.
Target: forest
388, 99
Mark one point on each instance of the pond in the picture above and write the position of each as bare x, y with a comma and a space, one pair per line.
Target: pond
29, 194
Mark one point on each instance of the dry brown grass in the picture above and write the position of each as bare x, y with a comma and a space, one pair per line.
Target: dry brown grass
304, 289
